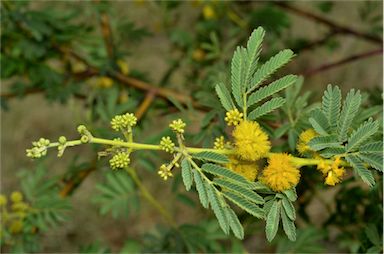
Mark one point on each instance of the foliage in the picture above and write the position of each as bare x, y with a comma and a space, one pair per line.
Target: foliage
60, 56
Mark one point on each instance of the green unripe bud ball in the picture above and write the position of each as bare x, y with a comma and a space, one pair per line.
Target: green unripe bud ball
62, 140
81, 128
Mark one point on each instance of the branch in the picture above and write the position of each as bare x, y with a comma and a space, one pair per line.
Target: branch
149, 97
315, 43
75, 181
29, 91
335, 27
107, 35
328, 66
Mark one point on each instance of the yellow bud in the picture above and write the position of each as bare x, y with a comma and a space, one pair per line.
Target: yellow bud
3, 200
16, 226
198, 55
77, 67
16, 197
123, 66
104, 82
209, 12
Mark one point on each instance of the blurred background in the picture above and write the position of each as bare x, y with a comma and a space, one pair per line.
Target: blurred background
64, 63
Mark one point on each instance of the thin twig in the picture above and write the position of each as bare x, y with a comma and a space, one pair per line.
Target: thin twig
29, 91
334, 26
75, 181
316, 43
349, 59
149, 97
148, 196
107, 35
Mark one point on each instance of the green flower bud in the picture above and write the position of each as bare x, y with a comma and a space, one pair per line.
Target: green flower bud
120, 160
81, 129
178, 126
130, 119
165, 172
167, 145
122, 122
62, 140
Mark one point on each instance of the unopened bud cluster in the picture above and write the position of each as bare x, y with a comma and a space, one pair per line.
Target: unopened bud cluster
177, 126
122, 122
233, 117
39, 148
167, 145
220, 143
13, 220
165, 171
62, 145
120, 160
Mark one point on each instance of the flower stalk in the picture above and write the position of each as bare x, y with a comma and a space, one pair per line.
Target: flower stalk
299, 162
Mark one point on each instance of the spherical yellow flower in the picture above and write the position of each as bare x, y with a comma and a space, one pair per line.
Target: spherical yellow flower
334, 176
245, 168
304, 138
198, 55
16, 197
209, 12
280, 174
251, 142
333, 172
104, 82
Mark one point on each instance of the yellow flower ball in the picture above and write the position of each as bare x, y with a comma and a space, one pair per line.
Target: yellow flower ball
245, 168
251, 142
304, 138
104, 82
280, 174
333, 172
334, 176
16, 197
209, 12
198, 55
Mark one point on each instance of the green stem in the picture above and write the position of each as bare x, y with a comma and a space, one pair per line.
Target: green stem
245, 106
148, 196
299, 162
